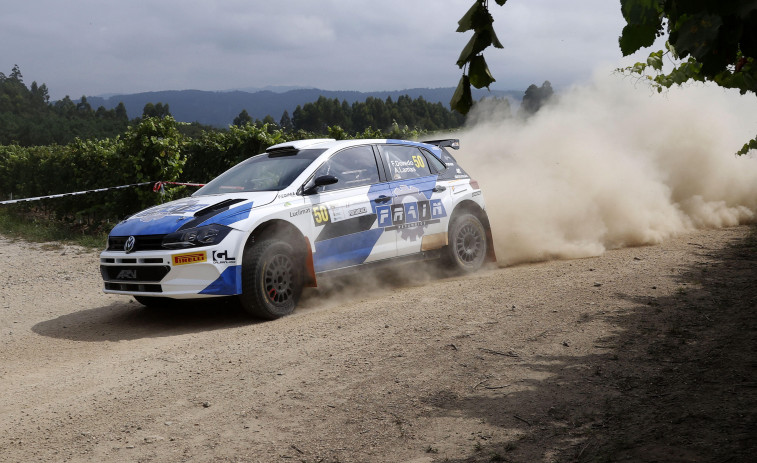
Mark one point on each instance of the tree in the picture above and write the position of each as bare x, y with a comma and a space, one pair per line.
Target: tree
152, 151
83, 107
65, 106
242, 119
28, 118
708, 40
535, 97
39, 94
156, 110
121, 112
286, 121
16, 74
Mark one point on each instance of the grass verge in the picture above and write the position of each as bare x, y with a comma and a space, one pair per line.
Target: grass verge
40, 230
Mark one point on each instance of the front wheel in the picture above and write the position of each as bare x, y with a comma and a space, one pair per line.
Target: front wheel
271, 279
466, 251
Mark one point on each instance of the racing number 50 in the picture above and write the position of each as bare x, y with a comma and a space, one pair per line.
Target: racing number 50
419, 162
321, 214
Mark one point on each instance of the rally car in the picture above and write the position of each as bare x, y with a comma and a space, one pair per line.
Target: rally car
278, 221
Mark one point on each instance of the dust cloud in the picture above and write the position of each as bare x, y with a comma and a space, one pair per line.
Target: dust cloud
613, 164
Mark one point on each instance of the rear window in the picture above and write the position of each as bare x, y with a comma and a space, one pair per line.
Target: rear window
405, 162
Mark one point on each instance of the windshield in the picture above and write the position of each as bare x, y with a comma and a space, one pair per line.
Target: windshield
264, 172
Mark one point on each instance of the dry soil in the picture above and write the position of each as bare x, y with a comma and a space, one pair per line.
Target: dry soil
642, 354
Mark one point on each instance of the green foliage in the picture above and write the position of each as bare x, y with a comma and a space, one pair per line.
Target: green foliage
214, 152
32, 227
373, 112
148, 152
748, 146
242, 119
158, 148
152, 150
708, 40
462, 99
535, 97
480, 21
28, 118
155, 110
286, 122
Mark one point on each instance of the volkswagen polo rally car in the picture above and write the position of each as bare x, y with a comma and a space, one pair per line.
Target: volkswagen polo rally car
278, 221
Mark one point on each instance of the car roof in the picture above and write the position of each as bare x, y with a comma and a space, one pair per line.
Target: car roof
332, 144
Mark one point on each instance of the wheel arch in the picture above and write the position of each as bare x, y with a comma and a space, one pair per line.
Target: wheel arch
472, 207
285, 231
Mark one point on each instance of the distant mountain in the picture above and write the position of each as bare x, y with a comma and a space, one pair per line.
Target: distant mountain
220, 108
272, 88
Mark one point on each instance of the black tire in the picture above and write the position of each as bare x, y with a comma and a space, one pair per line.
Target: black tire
467, 247
271, 279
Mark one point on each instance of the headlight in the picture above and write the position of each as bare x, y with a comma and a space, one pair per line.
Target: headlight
193, 237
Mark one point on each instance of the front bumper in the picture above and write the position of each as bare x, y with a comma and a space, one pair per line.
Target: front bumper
185, 273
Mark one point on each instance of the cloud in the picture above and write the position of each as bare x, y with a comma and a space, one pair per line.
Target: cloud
96, 46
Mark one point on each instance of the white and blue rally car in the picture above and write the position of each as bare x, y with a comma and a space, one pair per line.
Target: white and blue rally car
277, 221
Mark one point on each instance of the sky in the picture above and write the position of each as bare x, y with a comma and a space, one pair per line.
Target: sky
98, 47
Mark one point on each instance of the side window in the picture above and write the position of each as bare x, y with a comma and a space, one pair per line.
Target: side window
353, 167
436, 165
405, 162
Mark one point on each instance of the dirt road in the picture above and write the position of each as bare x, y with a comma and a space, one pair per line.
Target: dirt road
642, 354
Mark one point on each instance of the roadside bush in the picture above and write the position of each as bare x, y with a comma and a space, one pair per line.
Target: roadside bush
214, 152
152, 150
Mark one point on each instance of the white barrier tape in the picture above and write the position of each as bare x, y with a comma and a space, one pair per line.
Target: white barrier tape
61, 195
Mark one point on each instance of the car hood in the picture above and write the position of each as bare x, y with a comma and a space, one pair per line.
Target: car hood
192, 212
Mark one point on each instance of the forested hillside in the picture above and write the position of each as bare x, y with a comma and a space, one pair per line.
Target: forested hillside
50, 148
219, 108
375, 112
27, 117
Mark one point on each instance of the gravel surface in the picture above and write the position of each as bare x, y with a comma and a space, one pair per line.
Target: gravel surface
641, 354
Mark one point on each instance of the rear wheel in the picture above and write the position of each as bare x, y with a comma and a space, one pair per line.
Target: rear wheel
271, 279
466, 251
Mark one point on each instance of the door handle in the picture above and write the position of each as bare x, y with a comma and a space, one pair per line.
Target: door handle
383, 199
438, 189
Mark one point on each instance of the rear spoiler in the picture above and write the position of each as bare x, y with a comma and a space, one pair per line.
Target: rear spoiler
453, 143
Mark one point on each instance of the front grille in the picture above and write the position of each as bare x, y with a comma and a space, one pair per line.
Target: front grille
142, 243
133, 273
134, 287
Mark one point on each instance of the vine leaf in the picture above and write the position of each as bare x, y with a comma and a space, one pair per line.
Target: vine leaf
478, 43
462, 100
636, 36
643, 24
479, 73
475, 19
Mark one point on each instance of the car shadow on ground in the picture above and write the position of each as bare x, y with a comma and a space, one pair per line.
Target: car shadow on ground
130, 320
676, 381
124, 321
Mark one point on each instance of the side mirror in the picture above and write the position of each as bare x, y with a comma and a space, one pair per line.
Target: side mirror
312, 187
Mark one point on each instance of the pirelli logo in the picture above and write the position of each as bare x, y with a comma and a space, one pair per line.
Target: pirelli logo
190, 258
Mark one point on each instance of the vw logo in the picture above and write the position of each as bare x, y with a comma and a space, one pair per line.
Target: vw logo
129, 245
